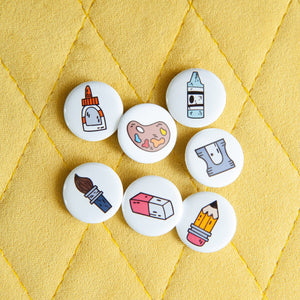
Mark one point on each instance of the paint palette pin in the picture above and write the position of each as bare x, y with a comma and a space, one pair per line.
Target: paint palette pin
214, 157
208, 223
147, 133
92, 110
93, 192
152, 205
196, 98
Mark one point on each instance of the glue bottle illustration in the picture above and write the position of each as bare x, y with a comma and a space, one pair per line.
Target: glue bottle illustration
92, 115
195, 97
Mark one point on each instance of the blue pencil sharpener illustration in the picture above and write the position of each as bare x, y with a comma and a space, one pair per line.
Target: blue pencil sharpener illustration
195, 97
216, 157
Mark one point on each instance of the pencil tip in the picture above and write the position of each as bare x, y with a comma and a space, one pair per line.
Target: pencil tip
214, 204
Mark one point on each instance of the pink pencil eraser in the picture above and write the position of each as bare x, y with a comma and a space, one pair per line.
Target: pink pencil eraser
198, 241
140, 204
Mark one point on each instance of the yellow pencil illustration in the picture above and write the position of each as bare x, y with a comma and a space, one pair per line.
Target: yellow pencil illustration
200, 230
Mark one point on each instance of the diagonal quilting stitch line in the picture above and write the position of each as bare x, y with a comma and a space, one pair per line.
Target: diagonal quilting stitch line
18, 162
53, 144
168, 54
107, 48
32, 110
120, 160
244, 261
246, 265
63, 66
243, 106
179, 258
14, 80
27, 102
268, 51
282, 250
77, 247
239, 115
221, 51
22, 285
275, 137
115, 60
215, 41
130, 266
248, 92
206, 189
83, 7
115, 242
72, 258
174, 270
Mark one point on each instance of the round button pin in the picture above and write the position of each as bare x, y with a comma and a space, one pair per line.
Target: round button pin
208, 222
147, 133
152, 205
92, 110
214, 157
196, 98
93, 192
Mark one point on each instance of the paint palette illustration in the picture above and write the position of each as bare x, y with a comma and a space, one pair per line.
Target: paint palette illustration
149, 138
151, 206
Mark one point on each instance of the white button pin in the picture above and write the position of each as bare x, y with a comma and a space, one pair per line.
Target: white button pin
196, 98
147, 133
92, 111
152, 205
214, 157
208, 222
93, 192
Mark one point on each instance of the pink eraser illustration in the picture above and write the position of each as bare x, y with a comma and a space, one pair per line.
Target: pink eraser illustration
196, 240
151, 206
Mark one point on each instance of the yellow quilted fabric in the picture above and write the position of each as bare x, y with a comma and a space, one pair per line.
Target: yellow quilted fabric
49, 47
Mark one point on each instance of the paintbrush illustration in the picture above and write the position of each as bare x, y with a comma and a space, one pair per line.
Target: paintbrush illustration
91, 191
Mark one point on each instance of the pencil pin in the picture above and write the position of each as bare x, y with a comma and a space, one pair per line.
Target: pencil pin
200, 231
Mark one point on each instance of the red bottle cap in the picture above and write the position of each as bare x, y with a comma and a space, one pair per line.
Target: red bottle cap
89, 99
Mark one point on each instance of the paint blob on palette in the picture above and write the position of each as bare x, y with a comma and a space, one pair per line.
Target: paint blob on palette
147, 133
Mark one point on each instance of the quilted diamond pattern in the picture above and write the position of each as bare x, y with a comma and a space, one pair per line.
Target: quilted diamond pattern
267, 164
244, 31
24, 116
40, 43
47, 48
277, 90
154, 26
